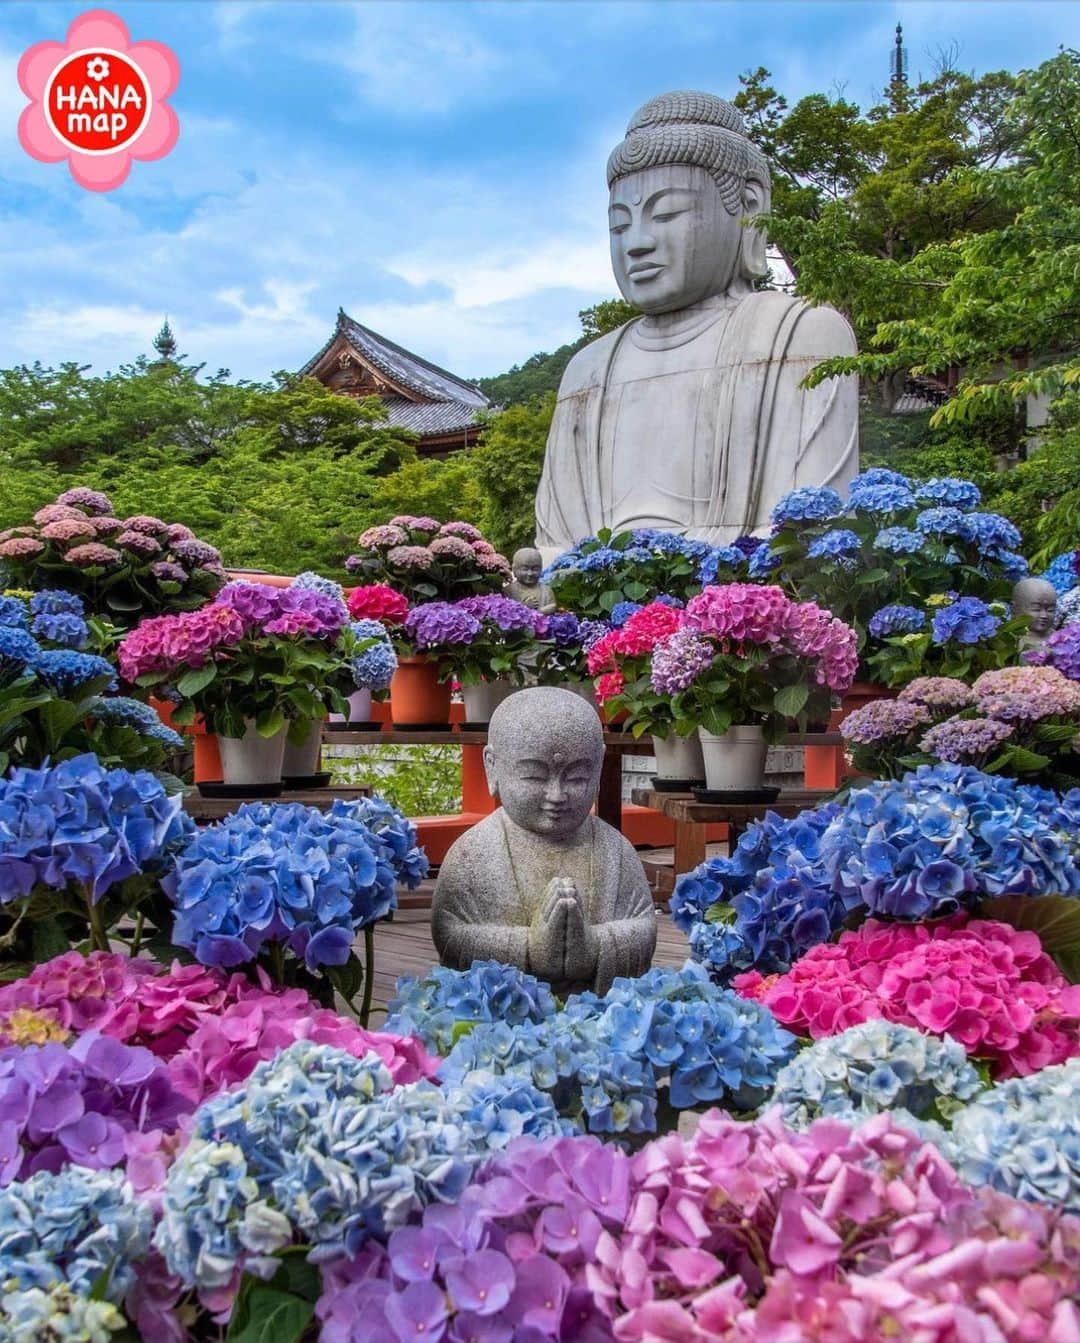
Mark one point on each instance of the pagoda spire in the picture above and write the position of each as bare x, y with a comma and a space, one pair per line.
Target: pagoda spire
898, 68
165, 342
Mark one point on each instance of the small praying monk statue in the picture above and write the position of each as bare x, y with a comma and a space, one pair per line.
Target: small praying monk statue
1036, 599
527, 587
541, 883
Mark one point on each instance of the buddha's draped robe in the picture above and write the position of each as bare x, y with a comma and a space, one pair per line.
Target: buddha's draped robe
701, 428
484, 904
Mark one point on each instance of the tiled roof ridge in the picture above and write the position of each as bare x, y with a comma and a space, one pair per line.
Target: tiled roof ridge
346, 324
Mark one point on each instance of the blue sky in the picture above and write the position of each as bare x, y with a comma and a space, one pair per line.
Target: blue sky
437, 169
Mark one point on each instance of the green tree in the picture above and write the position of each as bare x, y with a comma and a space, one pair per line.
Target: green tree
506, 466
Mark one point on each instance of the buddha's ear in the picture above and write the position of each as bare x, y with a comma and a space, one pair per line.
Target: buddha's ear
489, 771
753, 264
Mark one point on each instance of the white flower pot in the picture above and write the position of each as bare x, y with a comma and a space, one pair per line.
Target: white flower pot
359, 708
302, 760
251, 759
734, 761
482, 700
678, 759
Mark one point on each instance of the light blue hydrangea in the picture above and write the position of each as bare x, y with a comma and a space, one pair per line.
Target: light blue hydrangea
950, 491
875, 1066
622, 611
1022, 1137
900, 541
316, 583
318, 1146
436, 1007
135, 714
57, 1315
884, 496
73, 1227
374, 667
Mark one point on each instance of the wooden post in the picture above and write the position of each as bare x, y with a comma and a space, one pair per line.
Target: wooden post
609, 799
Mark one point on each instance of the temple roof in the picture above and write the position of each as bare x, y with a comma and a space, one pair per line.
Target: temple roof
408, 371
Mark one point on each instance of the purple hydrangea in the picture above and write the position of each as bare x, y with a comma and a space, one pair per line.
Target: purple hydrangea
897, 619
1061, 650
563, 629
592, 631
165, 571
504, 612
679, 660
193, 553
90, 501
882, 719
965, 741
968, 620
440, 624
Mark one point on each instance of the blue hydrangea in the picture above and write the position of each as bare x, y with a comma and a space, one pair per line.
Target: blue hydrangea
810, 503
67, 630
18, 651
79, 824
435, 1007
921, 847
666, 599
763, 561
720, 558
1013, 566
13, 614
604, 558
73, 1227
1022, 1137
950, 491
67, 672
316, 1145
992, 534
879, 496
120, 710
563, 629
897, 619
57, 602
622, 611
285, 873
968, 620
876, 476
39, 1315
316, 583
944, 521
875, 1066
368, 629
900, 541
1064, 571
374, 668
834, 544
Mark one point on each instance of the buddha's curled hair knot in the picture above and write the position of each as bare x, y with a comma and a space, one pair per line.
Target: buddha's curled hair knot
697, 129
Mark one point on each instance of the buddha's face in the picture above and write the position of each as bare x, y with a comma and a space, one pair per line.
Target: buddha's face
527, 566
1037, 600
545, 786
673, 242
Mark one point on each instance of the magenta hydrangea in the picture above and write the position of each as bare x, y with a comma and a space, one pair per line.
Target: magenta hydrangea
165, 643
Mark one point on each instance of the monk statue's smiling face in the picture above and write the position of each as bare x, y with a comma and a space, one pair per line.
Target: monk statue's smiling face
673, 240
543, 759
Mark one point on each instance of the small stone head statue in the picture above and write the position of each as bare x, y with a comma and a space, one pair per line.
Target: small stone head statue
1037, 599
527, 566
543, 759
685, 185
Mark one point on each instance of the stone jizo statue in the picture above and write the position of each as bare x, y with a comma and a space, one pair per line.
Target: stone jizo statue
541, 883
691, 417
1037, 599
526, 587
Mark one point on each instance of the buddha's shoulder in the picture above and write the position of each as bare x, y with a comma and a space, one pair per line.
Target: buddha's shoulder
812, 329
588, 368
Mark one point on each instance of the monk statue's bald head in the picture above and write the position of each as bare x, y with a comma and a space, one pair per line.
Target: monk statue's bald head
685, 185
543, 759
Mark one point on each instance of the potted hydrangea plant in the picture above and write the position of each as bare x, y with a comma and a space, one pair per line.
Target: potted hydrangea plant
747, 660
123, 568
426, 560
256, 663
490, 666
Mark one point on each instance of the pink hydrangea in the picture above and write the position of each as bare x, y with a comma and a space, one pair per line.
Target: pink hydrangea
67, 529
740, 613
1026, 694
226, 1047
752, 1233
938, 693
376, 601
987, 985
107, 526
90, 501
609, 685
379, 538
139, 543
142, 522
420, 524
493, 563
177, 531
291, 623
20, 548
452, 547
168, 643
410, 557
58, 513
463, 529
93, 555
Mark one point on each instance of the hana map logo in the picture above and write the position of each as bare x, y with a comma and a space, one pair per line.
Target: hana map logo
98, 100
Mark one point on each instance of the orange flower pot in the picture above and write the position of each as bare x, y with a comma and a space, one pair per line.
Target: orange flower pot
416, 698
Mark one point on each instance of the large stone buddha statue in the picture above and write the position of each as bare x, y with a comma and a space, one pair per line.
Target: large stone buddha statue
691, 417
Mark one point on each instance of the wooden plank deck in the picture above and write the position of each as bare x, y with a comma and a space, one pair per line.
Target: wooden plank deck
404, 947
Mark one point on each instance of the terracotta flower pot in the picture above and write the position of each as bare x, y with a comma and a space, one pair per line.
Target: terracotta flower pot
416, 697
